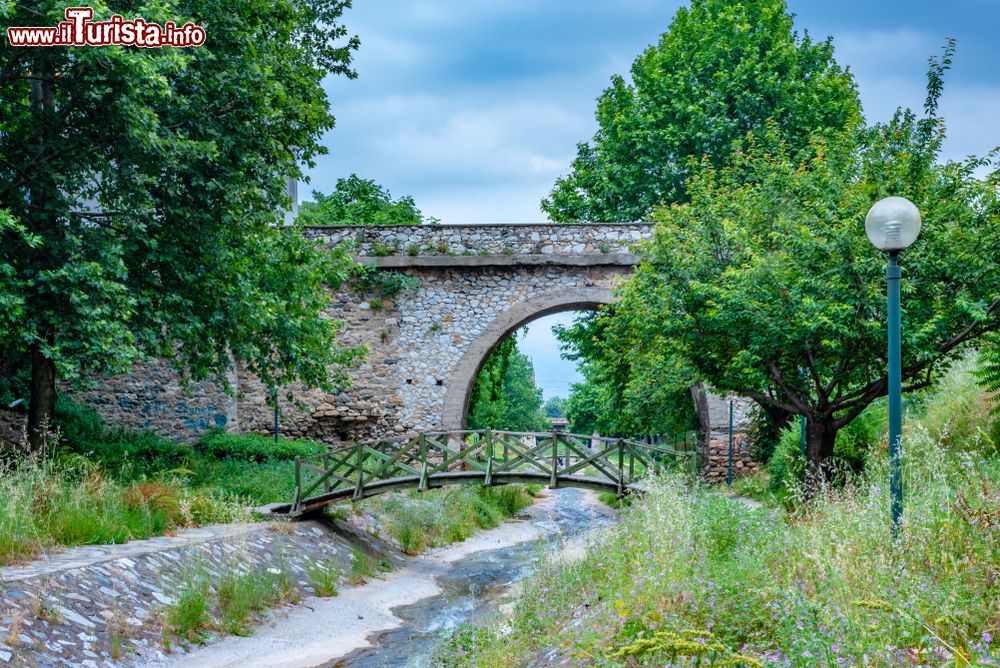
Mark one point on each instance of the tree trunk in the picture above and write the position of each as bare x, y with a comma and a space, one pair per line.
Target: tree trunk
42, 401
820, 437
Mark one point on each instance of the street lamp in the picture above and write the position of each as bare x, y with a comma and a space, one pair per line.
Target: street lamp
892, 225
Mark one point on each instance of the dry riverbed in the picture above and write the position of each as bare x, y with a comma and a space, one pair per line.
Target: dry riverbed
320, 631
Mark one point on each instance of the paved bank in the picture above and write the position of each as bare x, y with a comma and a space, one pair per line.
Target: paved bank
97, 606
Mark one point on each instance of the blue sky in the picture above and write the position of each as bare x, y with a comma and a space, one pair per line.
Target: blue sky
475, 107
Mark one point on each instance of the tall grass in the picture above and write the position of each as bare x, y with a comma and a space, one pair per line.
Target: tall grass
419, 520
71, 501
691, 577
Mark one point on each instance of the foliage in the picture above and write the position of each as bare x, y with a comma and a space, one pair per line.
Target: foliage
721, 70
189, 615
324, 577
364, 566
121, 451
766, 285
72, 502
505, 395
439, 517
237, 598
554, 407
829, 587
619, 395
988, 374
146, 185
357, 201
254, 447
380, 282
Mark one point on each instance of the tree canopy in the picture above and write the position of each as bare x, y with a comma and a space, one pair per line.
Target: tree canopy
357, 201
723, 69
143, 188
642, 391
505, 395
765, 284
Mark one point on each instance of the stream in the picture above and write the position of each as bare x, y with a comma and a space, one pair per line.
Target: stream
474, 586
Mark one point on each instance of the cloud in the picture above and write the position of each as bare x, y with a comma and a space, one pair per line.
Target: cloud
475, 109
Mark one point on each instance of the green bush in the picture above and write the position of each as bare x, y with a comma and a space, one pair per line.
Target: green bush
957, 412
119, 450
254, 447
864, 434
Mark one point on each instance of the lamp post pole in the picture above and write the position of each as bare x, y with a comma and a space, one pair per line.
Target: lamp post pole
729, 469
892, 225
895, 393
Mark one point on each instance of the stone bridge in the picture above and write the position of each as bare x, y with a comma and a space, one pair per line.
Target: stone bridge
475, 284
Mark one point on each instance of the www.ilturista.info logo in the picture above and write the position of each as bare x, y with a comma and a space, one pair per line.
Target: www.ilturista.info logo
79, 30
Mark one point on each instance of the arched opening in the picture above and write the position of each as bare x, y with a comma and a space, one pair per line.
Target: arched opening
456, 401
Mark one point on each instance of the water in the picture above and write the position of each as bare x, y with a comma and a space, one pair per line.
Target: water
473, 587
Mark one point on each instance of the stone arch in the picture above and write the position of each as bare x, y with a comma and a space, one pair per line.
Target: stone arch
456, 399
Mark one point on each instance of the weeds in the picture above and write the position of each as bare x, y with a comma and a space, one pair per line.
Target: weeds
420, 520
691, 577
364, 566
324, 577
72, 502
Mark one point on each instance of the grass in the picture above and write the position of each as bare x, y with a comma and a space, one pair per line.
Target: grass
693, 577
238, 599
324, 577
365, 566
418, 520
68, 502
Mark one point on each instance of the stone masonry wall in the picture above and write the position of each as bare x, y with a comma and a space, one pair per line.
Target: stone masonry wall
543, 239
713, 449
153, 397
415, 344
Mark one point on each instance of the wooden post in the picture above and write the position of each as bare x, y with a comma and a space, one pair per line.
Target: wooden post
553, 478
621, 468
489, 443
359, 484
298, 484
326, 469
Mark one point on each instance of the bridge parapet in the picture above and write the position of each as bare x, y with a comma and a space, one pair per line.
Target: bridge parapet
545, 239
434, 459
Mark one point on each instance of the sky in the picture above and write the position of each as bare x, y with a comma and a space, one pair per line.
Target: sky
474, 108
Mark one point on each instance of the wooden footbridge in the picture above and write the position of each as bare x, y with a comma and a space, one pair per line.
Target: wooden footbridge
487, 457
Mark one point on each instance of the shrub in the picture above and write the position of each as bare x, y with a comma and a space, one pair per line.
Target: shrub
120, 450
254, 447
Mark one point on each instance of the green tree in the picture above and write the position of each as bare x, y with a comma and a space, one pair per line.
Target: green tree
487, 404
505, 395
765, 283
555, 407
357, 201
721, 70
628, 389
146, 186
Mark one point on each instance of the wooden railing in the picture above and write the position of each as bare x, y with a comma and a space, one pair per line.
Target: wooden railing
434, 459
